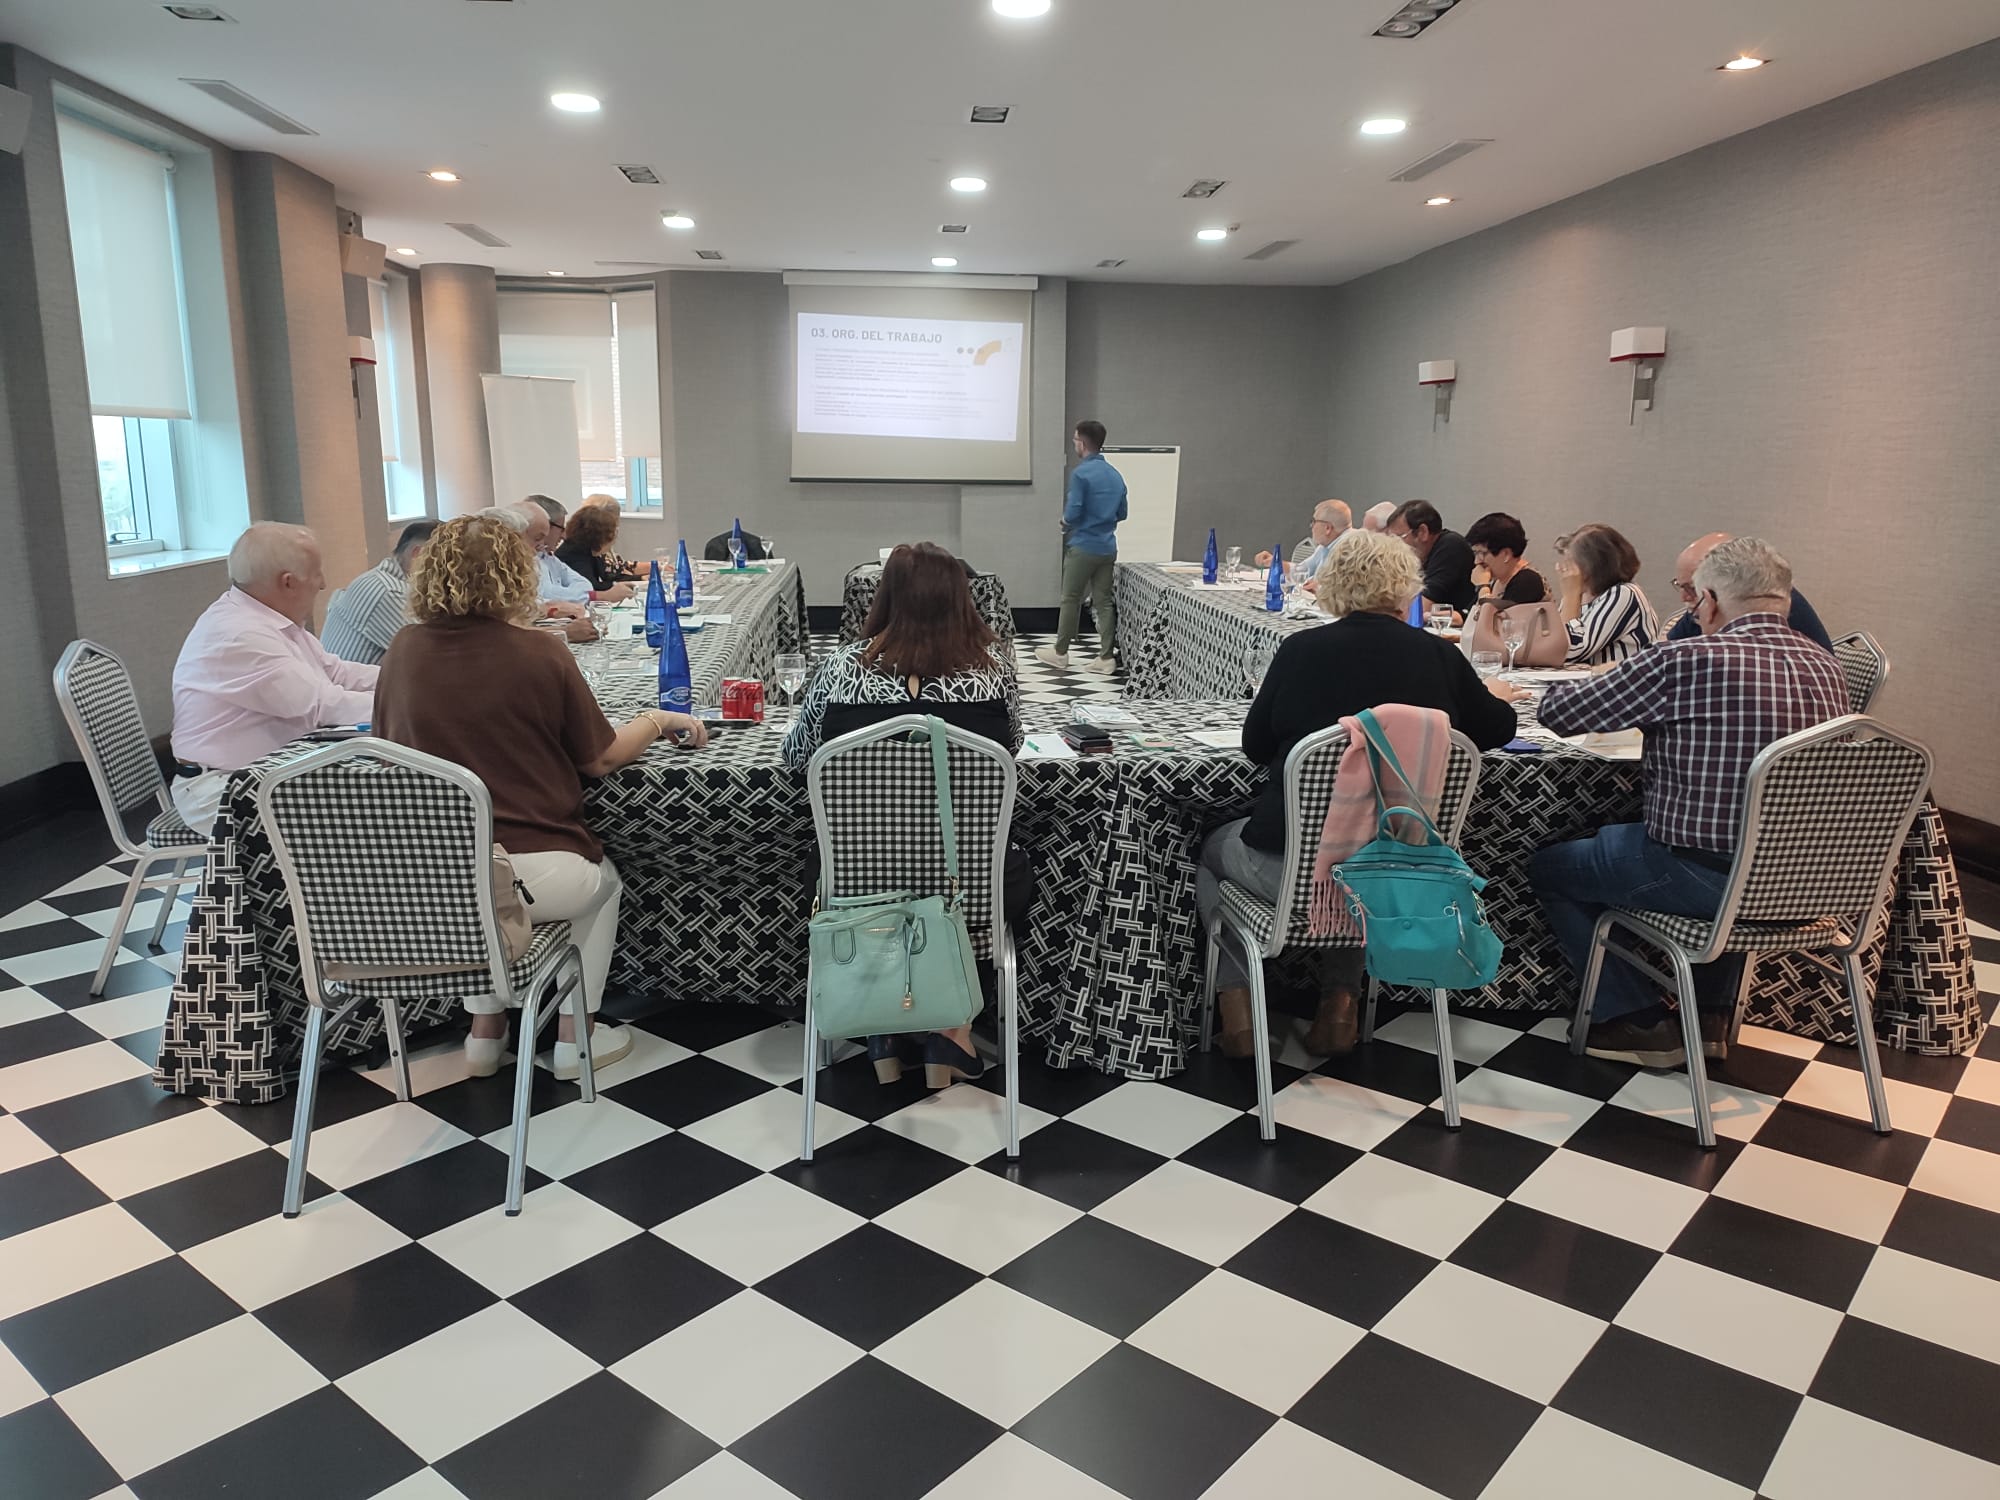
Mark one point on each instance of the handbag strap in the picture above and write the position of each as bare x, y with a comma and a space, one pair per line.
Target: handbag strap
941, 779
1379, 751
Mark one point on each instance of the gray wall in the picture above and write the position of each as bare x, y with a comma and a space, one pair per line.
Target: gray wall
1236, 376
1831, 309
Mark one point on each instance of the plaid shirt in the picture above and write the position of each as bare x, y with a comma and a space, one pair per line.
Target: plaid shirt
1707, 706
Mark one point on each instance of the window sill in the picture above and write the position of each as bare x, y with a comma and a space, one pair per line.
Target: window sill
415, 515
158, 562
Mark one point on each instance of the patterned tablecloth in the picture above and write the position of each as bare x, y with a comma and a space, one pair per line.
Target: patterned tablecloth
988, 593
1181, 639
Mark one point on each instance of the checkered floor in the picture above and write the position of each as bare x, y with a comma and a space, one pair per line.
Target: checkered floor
1566, 1299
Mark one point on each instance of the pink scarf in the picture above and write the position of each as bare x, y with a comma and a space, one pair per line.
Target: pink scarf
1421, 738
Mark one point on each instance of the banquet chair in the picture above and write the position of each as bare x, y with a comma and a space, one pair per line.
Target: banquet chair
102, 712
1865, 665
874, 809
1825, 813
716, 548
1262, 929
386, 855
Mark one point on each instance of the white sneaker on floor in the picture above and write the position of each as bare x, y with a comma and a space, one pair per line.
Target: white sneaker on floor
607, 1045
1103, 666
482, 1055
1048, 656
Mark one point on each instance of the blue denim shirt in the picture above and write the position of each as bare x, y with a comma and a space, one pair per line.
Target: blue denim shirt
560, 582
1094, 506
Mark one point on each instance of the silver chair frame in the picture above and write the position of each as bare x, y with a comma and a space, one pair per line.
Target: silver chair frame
1295, 881
1873, 647
560, 975
817, 1054
1843, 960
144, 856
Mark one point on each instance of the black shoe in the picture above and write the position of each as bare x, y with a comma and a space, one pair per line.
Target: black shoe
1650, 1044
1714, 1035
946, 1063
889, 1053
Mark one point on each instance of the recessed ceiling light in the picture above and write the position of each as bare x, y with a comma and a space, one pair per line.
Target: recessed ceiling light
1387, 125
944, 262
441, 174
576, 104
405, 250
1021, 9
677, 221
559, 273
1742, 64
968, 184
1436, 202
1211, 234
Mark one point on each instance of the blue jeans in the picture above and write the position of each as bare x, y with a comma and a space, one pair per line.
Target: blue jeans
1625, 866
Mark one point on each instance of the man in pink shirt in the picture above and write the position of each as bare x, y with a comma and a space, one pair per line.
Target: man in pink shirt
252, 675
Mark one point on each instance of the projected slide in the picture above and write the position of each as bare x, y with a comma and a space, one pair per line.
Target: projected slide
909, 377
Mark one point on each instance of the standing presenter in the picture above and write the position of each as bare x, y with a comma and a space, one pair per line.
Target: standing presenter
1092, 509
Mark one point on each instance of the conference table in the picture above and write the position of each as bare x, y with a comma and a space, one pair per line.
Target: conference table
989, 596
1181, 638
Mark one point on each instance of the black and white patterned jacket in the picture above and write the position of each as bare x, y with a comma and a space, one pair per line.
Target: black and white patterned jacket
842, 678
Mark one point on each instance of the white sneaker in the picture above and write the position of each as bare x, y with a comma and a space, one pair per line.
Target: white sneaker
1048, 656
482, 1055
607, 1045
1103, 666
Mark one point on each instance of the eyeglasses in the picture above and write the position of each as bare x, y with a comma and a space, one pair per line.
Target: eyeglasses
1685, 590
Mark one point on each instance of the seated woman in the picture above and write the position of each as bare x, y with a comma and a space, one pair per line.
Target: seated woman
924, 649
621, 567
1609, 617
532, 737
1367, 657
586, 549
1498, 545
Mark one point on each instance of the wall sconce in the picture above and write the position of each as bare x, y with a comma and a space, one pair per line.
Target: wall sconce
1440, 375
1642, 348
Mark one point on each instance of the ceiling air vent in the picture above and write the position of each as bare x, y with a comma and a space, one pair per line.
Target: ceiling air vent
1415, 18
1207, 187
990, 114
242, 103
480, 235
636, 173
1444, 156
951, 229
198, 13
1276, 247
633, 265
709, 254
1109, 265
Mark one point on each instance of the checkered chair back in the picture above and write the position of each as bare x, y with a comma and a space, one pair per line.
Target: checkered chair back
875, 808
386, 855
102, 710
1825, 814
1310, 771
1865, 665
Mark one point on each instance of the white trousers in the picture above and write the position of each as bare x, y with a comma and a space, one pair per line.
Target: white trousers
198, 798
567, 887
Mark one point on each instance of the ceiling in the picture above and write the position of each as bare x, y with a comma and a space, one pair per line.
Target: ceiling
820, 133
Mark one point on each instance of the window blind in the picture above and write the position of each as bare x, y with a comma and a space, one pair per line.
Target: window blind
566, 336
385, 368
638, 375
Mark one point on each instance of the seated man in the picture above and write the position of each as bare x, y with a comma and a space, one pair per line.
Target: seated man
1330, 522
1707, 706
1376, 518
620, 589
364, 617
1802, 617
1445, 556
563, 594
252, 676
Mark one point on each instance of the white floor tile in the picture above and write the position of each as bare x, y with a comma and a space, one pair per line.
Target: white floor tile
557, 1228
1981, 1080
175, 1147
80, 1251
438, 1066
1154, 1116
175, 1399
649, 1054
17, 1386
737, 1365
1026, 1351
1411, 1207
1290, 1461
379, 1141
144, 914
1931, 1301
963, 1121
764, 1130
23, 1004
19, 1146
1194, 1212
460, 1383
34, 914
275, 1257
757, 1228
65, 962
91, 880
1498, 1332
1633, 1205
1472, 1040
1843, 1091
1342, 1111
1832, 1454
1247, 1339
1564, 1458
776, 1054
1523, 1106
1961, 1172
1980, 929
576, 1135
61, 1075
978, 1219
1813, 1192
126, 1014
1737, 1113
1777, 1041
1010, 1468
425, 1484
1736, 1323
724, 1477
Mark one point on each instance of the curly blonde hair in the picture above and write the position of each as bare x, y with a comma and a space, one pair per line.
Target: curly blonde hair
476, 566
1368, 572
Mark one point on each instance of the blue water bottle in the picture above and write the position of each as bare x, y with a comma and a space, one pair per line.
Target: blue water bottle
676, 681
739, 554
1274, 581
1416, 615
657, 613
1208, 559
683, 579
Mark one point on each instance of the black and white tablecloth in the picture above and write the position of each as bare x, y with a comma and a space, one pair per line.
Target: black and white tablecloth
1179, 638
988, 593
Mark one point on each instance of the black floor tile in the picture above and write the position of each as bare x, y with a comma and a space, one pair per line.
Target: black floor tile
1914, 1386
1657, 1146
97, 897
138, 978
619, 1301
85, 1119
1905, 1067
898, 1439
1841, 1141
868, 1285
599, 1438
1947, 1231
1691, 1408
81, 1336
1075, 1165
1056, 1091
53, 853
1759, 1070
42, 1192
1480, 1156
343, 1094
480, 1106
1230, 1081
441, 1190
43, 1455
1546, 1060
1583, 1268
850, 1086
870, 1171
1332, 1266
686, 1091
58, 932
1775, 1251
651, 1183
28, 1041
1972, 1122
1102, 1275
200, 1207
172, 939
383, 1305
1426, 1420
1145, 1427
1293, 1167
320, 1447
699, 1026
1390, 1069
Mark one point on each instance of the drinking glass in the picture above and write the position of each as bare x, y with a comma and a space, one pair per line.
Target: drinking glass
1233, 562
770, 546
1513, 634
736, 552
1486, 664
790, 673
1257, 657
1439, 618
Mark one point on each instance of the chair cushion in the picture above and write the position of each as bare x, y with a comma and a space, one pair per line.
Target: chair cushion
551, 940
1255, 915
170, 831
1748, 937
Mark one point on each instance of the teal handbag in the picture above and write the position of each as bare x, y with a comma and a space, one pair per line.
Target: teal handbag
893, 963
1417, 905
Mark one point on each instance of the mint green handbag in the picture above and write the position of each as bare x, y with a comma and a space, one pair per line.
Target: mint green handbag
896, 962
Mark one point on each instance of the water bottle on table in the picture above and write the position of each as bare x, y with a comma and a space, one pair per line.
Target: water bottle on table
1208, 560
1274, 581
683, 579
657, 613
676, 679
737, 549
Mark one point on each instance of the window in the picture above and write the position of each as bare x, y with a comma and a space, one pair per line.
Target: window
396, 398
135, 482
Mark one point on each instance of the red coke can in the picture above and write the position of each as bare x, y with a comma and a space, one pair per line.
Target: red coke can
753, 700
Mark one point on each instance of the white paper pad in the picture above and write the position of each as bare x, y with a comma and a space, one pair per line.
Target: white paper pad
1618, 744
1046, 747
1549, 674
1218, 739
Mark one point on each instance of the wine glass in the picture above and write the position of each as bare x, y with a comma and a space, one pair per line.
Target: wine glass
1486, 664
770, 546
1257, 658
1513, 634
1233, 562
1439, 618
790, 673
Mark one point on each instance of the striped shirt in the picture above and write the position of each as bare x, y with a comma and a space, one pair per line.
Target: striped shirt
364, 617
1615, 626
1707, 706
